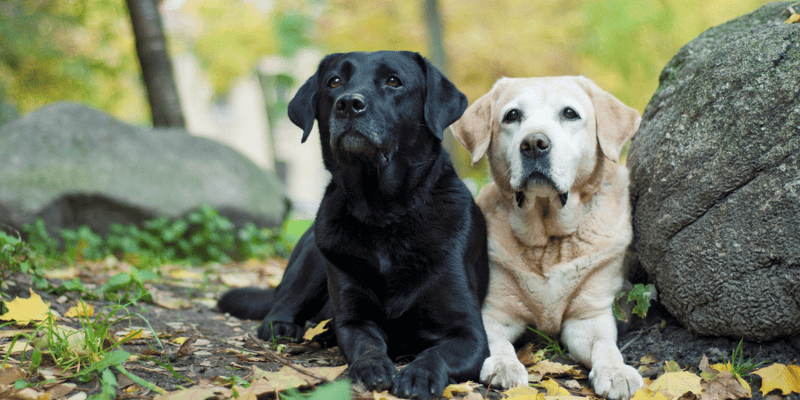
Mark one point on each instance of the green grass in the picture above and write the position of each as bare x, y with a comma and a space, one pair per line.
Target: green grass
88, 353
552, 347
740, 366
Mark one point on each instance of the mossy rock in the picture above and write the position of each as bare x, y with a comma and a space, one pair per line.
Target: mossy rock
75, 165
715, 170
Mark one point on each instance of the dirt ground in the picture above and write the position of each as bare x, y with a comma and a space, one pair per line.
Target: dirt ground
222, 339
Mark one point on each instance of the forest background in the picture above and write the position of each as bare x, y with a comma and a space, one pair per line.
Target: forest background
84, 50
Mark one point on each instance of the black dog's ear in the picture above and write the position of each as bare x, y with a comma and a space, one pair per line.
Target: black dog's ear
303, 107
444, 103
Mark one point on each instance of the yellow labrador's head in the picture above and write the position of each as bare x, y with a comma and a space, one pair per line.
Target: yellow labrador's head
542, 135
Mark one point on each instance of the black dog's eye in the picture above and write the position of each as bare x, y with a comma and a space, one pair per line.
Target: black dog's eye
394, 81
512, 115
334, 82
569, 113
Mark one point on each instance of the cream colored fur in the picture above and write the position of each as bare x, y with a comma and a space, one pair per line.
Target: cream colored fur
555, 267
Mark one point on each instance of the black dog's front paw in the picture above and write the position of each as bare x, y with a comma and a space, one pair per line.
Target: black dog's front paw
274, 330
420, 380
375, 373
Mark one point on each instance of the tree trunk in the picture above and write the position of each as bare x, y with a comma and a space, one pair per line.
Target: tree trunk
434, 22
151, 47
438, 57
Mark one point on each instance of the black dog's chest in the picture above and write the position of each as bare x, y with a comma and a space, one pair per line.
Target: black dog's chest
383, 257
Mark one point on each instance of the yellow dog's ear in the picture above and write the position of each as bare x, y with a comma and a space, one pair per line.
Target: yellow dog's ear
474, 128
615, 122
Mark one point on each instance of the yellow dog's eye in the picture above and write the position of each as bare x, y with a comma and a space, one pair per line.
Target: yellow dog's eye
334, 82
394, 81
569, 113
512, 115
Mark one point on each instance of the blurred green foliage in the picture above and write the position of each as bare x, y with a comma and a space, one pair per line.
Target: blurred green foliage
17, 256
203, 236
78, 50
83, 50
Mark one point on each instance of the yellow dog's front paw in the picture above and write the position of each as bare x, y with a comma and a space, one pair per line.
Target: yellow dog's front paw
504, 372
615, 382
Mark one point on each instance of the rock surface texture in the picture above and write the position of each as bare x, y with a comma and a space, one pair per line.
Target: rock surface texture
715, 170
72, 165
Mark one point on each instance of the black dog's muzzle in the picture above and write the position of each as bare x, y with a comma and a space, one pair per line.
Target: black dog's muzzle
352, 133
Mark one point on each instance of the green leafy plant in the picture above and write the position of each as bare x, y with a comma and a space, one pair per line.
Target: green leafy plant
203, 236
337, 390
84, 244
129, 286
640, 293
39, 239
17, 257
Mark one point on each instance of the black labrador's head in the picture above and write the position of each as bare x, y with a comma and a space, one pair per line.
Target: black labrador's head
373, 106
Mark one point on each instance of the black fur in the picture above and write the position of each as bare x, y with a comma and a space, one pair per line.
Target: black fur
398, 239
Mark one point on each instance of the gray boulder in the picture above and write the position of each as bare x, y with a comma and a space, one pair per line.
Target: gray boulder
715, 170
72, 165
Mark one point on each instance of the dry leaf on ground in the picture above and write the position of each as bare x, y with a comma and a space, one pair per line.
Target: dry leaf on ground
711, 372
676, 384
457, 389
82, 309
785, 378
724, 386
553, 388
9, 374
26, 310
312, 332
552, 369
523, 393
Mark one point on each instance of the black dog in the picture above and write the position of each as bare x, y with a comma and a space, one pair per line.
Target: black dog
398, 238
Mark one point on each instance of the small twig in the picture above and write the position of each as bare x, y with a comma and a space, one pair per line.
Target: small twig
275, 357
626, 345
489, 385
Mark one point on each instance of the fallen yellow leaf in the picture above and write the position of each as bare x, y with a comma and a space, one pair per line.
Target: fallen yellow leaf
23, 311
180, 340
312, 332
785, 378
63, 274
287, 378
547, 367
186, 275
677, 383
553, 388
648, 359
80, 310
645, 394
523, 393
793, 18
456, 389
200, 391
384, 395
15, 332
19, 346
130, 335
671, 366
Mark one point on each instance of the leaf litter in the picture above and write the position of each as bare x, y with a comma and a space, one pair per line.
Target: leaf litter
187, 350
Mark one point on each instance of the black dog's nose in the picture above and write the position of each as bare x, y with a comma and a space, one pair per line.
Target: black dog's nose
350, 105
535, 145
